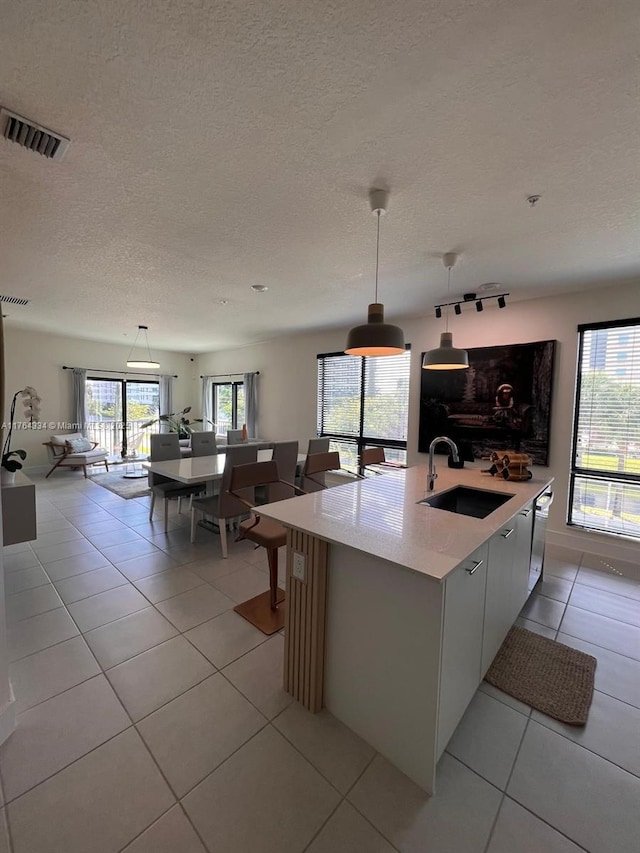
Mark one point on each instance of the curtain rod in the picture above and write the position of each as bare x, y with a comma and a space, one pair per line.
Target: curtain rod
217, 375
123, 372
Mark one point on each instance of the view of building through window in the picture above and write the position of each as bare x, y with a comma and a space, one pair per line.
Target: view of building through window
116, 410
364, 402
605, 475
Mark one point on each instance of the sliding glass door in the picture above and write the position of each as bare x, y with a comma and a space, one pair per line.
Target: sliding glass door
116, 412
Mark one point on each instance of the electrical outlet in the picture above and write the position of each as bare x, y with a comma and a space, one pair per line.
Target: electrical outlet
298, 566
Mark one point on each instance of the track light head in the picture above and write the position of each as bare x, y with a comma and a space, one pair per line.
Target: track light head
479, 306
501, 302
438, 312
457, 308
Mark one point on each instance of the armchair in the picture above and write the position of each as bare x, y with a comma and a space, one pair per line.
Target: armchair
62, 454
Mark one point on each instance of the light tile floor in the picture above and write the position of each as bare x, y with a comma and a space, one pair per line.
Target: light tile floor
152, 717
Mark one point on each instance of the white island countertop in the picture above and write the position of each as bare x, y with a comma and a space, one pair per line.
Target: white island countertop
381, 515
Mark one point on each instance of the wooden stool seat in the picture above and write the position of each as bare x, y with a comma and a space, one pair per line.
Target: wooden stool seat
267, 610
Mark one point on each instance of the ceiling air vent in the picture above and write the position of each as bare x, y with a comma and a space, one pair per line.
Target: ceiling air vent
14, 300
33, 136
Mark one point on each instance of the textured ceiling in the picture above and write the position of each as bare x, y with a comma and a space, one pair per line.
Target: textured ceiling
216, 145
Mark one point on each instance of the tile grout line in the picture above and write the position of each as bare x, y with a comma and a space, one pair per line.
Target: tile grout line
504, 790
355, 807
587, 748
132, 726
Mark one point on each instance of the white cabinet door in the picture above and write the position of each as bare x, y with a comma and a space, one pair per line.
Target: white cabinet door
521, 560
498, 613
461, 642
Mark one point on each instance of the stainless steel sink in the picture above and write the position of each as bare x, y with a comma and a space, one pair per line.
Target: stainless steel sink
463, 500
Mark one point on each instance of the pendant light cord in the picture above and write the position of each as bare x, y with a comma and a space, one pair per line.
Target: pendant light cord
146, 338
377, 252
448, 299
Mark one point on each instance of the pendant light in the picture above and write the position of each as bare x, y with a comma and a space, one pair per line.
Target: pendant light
376, 337
446, 356
142, 362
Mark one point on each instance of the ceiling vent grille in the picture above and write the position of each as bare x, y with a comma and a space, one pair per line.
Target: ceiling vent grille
33, 136
14, 300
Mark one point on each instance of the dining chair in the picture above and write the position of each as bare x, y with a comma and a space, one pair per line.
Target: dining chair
267, 610
234, 436
372, 456
203, 444
318, 445
223, 506
285, 454
165, 447
315, 466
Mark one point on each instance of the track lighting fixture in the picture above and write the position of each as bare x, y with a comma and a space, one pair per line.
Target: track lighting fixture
469, 298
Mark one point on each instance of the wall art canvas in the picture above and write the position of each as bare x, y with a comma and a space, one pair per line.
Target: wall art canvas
502, 402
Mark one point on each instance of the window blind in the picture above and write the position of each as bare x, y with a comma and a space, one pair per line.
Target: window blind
605, 474
363, 402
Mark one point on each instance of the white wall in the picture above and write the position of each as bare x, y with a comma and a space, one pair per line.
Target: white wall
36, 358
287, 386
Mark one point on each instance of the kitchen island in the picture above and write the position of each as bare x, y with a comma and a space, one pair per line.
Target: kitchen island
396, 608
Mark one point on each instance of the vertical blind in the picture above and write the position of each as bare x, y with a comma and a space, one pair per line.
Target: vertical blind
605, 475
364, 400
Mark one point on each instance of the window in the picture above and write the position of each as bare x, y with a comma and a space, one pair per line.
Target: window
364, 402
228, 406
116, 411
605, 472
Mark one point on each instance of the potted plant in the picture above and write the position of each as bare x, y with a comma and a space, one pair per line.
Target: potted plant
176, 422
9, 465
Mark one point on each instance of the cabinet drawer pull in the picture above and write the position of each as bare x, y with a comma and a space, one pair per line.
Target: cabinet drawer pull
526, 513
476, 565
508, 533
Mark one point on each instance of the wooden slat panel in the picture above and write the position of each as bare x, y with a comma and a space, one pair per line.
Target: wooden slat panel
305, 621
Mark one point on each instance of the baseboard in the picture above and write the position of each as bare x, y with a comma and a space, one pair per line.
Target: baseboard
8, 717
36, 469
599, 544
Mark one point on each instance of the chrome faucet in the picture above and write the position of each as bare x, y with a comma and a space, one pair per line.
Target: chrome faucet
432, 468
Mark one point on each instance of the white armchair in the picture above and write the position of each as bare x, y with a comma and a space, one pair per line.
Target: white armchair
63, 454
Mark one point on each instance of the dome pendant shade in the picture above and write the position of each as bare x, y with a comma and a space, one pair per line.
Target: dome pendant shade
375, 337
446, 356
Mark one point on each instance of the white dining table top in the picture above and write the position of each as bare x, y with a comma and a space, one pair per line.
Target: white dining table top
199, 469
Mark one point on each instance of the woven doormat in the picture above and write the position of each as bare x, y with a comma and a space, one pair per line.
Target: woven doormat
549, 676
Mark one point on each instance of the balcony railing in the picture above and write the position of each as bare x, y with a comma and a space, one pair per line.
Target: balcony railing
108, 434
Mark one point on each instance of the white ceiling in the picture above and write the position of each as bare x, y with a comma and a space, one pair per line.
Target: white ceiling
217, 145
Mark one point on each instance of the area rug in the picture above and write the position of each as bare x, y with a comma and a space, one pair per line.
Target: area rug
549, 676
119, 485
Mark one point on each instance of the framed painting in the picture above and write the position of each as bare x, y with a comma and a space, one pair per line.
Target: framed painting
502, 402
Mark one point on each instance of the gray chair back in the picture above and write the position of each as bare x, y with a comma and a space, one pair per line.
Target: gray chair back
164, 446
228, 505
234, 436
285, 453
203, 444
318, 445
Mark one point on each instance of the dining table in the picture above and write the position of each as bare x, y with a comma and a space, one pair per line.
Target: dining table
202, 469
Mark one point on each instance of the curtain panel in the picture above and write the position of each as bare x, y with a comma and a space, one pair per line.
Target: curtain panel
251, 403
79, 403
208, 423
